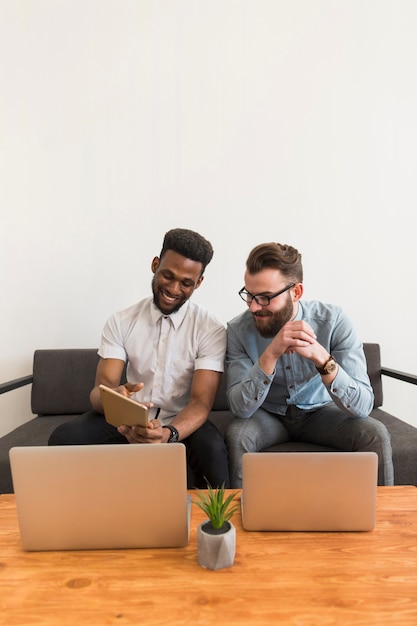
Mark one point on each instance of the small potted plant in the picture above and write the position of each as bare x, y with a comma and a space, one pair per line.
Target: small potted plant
216, 536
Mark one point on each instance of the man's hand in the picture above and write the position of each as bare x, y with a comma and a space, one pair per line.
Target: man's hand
128, 389
296, 337
154, 433
109, 372
302, 340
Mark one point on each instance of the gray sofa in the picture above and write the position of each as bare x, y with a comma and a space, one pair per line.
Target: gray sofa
62, 379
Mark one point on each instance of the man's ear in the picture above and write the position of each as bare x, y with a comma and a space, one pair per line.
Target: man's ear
298, 291
154, 264
198, 283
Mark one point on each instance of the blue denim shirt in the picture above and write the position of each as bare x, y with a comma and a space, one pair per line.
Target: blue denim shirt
295, 380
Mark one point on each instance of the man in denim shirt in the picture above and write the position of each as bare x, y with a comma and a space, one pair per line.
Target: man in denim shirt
296, 370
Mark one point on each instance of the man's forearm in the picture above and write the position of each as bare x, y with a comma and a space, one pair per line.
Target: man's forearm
247, 395
190, 419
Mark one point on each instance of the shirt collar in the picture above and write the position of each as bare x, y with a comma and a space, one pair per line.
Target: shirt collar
176, 318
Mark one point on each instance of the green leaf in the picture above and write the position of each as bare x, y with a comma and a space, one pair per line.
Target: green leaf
214, 504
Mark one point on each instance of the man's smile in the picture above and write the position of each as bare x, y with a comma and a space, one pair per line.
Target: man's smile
167, 297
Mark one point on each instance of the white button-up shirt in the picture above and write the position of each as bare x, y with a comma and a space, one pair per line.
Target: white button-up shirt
163, 351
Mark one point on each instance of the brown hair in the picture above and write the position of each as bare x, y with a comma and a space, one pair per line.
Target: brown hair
276, 256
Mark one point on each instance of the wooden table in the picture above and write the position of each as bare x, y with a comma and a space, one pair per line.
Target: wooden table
303, 579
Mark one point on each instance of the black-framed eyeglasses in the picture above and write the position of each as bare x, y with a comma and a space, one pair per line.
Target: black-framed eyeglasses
261, 299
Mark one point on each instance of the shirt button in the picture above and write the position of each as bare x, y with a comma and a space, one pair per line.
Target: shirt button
266, 382
288, 367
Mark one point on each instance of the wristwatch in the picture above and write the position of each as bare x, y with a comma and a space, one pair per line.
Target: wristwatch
174, 436
328, 367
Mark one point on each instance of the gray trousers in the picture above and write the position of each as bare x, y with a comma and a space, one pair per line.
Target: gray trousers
327, 426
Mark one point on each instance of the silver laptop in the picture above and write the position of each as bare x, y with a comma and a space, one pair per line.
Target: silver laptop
309, 491
101, 496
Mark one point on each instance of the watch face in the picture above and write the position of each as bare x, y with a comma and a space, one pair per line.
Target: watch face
330, 366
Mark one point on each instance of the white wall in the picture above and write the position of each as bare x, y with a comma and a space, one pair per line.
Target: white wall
249, 121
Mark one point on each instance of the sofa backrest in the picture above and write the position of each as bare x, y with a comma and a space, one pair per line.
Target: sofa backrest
63, 379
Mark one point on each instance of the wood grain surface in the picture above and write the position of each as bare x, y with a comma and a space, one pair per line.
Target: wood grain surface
302, 579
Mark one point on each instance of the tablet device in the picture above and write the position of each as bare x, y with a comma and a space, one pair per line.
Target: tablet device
120, 410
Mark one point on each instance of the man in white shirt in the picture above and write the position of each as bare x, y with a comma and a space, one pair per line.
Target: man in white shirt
175, 352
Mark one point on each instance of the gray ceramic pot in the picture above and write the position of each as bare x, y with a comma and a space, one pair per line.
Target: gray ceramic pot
216, 551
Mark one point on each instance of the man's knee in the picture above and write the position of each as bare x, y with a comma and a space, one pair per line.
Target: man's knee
235, 433
207, 437
89, 428
233, 429
62, 435
375, 431
243, 434
207, 456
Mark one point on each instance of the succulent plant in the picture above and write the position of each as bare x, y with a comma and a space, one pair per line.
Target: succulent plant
216, 505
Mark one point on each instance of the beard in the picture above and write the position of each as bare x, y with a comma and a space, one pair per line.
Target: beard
269, 323
168, 308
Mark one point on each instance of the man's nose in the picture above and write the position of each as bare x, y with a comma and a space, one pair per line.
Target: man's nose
254, 306
175, 287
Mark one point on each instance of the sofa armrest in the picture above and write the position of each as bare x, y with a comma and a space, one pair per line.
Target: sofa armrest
16, 383
407, 378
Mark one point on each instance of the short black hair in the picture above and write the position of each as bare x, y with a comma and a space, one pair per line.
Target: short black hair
189, 244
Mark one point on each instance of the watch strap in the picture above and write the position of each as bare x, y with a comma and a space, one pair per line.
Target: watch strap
174, 436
